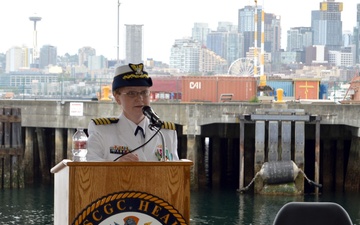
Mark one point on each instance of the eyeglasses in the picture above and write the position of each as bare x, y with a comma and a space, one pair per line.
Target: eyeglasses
133, 94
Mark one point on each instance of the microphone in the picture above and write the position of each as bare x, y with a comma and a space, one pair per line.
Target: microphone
154, 119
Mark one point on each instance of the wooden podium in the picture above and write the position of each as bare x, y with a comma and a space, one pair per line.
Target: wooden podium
82, 187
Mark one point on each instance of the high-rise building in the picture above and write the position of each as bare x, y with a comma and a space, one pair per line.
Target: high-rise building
356, 34
134, 43
327, 25
185, 55
298, 38
226, 42
272, 29
84, 54
200, 32
14, 59
246, 26
272, 32
215, 42
18, 58
48, 56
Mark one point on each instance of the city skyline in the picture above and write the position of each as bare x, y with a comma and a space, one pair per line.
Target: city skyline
73, 25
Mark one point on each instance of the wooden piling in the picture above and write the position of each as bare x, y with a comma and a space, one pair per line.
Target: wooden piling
11, 148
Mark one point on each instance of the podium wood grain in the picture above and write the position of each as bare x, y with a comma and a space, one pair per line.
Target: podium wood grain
78, 184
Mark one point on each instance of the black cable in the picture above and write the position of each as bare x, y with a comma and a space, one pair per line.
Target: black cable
131, 151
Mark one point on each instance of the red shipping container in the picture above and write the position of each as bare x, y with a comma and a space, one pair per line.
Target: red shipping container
306, 88
199, 89
239, 88
218, 88
166, 84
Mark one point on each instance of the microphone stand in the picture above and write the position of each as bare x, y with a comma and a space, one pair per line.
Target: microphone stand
163, 157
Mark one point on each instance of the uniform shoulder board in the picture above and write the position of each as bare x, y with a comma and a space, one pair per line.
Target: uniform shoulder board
105, 121
168, 125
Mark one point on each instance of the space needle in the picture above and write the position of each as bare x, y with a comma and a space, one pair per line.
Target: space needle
35, 53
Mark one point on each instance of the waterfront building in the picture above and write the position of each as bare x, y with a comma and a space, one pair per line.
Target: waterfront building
84, 53
184, 55
211, 63
134, 43
48, 56
327, 25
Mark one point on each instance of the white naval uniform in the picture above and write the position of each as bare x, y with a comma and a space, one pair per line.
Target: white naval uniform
107, 142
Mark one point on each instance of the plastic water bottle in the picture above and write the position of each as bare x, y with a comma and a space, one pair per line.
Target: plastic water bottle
79, 145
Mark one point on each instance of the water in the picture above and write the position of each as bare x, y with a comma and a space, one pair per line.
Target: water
34, 205
30, 205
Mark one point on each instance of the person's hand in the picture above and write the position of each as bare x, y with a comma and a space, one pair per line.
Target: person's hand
130, 157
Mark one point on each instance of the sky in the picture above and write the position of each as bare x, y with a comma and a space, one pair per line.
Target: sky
73, 24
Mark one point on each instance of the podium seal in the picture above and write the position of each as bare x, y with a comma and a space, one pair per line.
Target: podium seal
129, 208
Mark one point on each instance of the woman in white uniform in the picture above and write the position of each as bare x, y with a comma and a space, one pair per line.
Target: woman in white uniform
114, 139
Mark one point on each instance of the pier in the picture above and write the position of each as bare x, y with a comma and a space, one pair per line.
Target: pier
210, 136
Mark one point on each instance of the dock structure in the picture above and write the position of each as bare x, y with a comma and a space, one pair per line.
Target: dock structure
11, 148
222, 146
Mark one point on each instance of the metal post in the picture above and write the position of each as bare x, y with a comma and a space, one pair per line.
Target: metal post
241, 155
317, 153
117, 62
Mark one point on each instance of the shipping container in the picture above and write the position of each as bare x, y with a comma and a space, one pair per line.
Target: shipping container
166, 88
166, 84
307, 88
240, 88
287, 86
199, 89
218, 88
323, 91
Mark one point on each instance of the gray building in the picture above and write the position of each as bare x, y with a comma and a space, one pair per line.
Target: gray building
226, 44
48, 56
327, 25
272, 29
298, 38
185, 54
134, 43
246, 26
356, 35
200, 32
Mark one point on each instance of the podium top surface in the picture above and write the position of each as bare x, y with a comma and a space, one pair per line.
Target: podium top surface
66, 162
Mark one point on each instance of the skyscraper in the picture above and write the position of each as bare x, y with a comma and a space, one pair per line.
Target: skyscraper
327, 25
48, 56
134, 43
298, 38
200, 32
272, 29
185, 55
356, 35
246, 26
